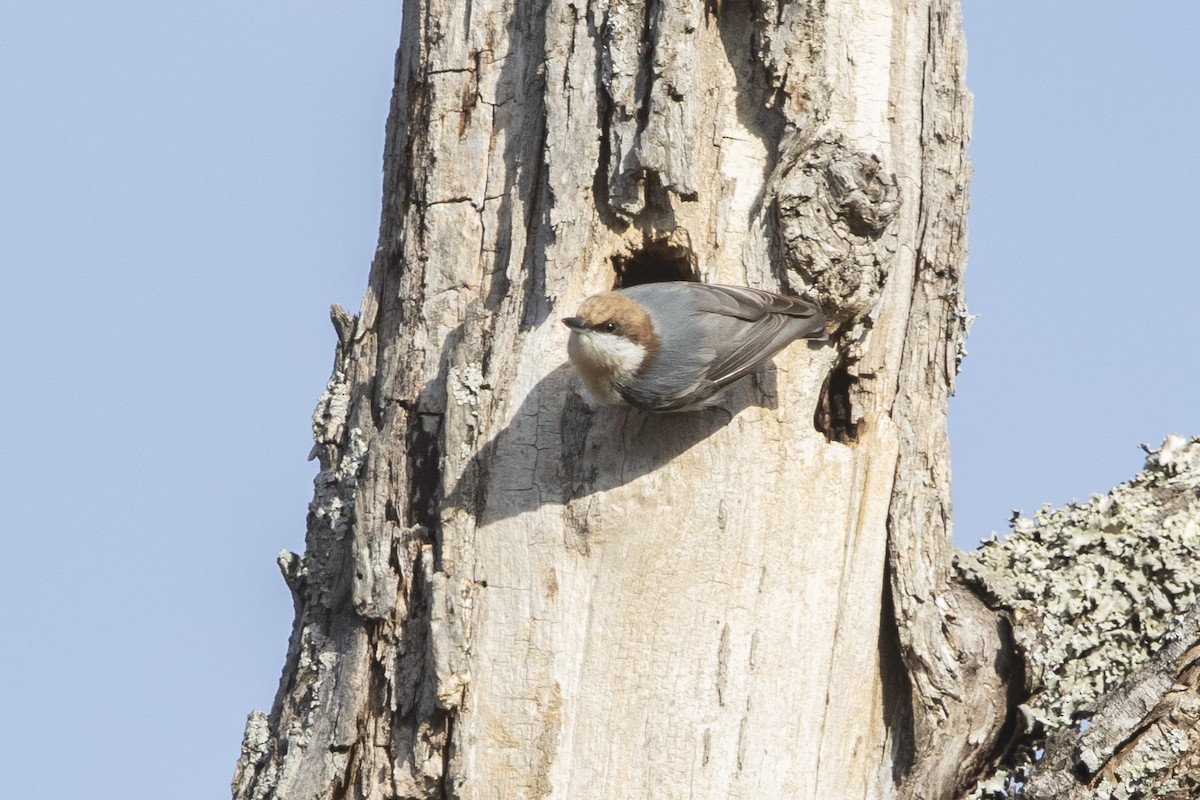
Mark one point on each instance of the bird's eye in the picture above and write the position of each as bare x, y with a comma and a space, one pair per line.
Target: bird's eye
609, 327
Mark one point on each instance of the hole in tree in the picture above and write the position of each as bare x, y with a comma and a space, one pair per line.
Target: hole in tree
834, 416
654, 263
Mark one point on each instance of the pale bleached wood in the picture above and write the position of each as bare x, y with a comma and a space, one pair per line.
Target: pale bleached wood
507, 594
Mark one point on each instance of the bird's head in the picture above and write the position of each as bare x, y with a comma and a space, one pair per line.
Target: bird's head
612, 338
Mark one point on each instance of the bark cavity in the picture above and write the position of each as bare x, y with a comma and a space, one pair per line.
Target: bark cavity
835, 415
667, 259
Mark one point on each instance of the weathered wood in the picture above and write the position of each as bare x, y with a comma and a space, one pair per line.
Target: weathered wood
508, 594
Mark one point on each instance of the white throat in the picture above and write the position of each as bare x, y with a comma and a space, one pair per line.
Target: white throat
604, 360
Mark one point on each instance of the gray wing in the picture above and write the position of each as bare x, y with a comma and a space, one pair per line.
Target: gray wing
759, 325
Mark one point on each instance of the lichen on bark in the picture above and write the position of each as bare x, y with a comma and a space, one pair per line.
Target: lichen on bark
1094, 589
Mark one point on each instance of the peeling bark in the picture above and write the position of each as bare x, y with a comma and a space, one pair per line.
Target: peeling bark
508, 594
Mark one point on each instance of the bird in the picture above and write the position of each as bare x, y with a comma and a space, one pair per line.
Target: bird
677, 345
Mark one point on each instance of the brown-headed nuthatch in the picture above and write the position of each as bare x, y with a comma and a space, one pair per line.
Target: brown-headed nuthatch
675, 346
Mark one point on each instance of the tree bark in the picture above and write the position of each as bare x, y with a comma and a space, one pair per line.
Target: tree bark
508, 594
1103, 596
1141, 739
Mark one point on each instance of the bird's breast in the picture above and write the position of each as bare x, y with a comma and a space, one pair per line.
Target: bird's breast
605, 362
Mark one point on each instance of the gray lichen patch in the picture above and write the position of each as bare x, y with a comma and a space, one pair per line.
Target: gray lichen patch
255, 749
329, 417
466, 384
340, 457
335, 487
1093, 587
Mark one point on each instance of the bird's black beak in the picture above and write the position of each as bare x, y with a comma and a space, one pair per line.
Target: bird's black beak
575, 323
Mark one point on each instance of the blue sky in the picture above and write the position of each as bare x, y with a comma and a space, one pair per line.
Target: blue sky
1083, 266
184, 189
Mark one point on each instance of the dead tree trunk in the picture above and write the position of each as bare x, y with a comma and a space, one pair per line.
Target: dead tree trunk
506, 594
